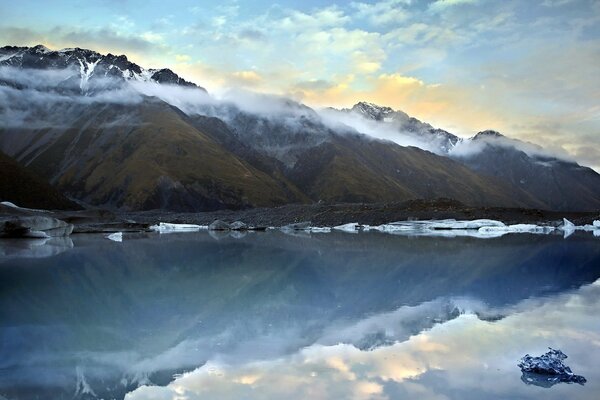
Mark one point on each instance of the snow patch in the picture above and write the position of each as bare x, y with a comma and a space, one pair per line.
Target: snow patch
9, 204
13, 205
86, 70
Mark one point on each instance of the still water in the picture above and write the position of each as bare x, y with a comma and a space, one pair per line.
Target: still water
273, 316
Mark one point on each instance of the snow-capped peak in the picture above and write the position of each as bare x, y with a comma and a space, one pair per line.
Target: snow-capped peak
90, 65
372, 111
489, 133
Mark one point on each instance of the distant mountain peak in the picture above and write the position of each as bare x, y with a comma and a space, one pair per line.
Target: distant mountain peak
487, 134
40, 48
372, 111
89, 63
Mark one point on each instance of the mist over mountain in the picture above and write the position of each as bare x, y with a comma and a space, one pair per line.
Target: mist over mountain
110, 133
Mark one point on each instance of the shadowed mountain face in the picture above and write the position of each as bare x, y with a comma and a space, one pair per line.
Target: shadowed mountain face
23, 187
110, 133
560, 184
142, 156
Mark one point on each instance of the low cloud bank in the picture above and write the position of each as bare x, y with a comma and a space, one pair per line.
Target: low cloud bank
28, 98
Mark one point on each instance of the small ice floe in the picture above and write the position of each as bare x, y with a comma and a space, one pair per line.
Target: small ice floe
319, 229
35, 227
479, 228
350, 228
115, 237
164, 227
569, 228
547, 370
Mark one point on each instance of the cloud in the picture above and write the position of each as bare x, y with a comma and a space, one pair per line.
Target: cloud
440, 5
246, 78
385, 12
102, 40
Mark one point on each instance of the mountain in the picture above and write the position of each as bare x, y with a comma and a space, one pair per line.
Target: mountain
110, 133
554, 183
343, 165
560, 184
88, 66
141, 156
25, 189
401, 122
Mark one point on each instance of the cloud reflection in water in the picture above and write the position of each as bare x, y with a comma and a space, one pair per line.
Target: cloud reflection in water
465, 357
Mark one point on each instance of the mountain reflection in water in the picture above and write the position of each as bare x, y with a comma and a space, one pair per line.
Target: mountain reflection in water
268, 315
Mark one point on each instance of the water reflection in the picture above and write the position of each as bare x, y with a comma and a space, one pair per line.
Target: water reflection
464, 358
377, 315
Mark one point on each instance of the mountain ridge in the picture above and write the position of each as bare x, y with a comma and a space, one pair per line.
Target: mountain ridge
193, 153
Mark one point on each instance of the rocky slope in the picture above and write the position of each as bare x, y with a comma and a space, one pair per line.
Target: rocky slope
560, 184
20, 186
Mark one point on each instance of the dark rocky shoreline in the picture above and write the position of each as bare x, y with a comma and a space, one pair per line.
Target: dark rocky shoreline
104, 221
366, 214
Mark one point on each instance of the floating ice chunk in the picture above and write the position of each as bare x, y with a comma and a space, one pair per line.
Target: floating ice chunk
474, 224
550, 366
596, 224
568, 228
317, 229
568, 224
481, 228
351, 227
164, 227
518, 228
115, 237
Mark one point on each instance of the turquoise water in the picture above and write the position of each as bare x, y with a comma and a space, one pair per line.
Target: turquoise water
271, 316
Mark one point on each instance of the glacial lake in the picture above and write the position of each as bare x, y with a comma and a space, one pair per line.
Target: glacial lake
276, 316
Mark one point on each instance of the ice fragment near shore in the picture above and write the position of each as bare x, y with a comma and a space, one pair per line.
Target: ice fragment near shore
568, 227
115, 237
164, 227
548, 369
351, 227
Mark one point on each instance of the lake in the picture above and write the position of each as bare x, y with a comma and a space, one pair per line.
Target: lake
272, 316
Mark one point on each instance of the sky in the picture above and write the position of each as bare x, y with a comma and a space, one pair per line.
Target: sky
529, 69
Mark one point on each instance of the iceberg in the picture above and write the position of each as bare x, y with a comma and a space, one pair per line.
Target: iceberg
351, 227
164, 227
115, 237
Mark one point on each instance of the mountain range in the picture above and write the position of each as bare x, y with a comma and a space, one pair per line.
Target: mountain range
106, 132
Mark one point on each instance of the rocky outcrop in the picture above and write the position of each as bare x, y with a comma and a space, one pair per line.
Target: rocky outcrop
219, 225
34, 227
